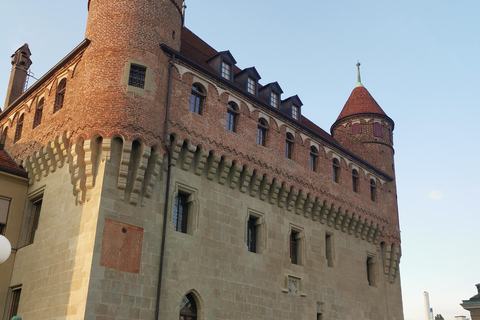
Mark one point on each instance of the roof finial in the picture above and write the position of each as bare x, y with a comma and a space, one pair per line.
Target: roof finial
359, 82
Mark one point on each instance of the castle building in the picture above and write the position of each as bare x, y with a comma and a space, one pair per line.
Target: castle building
146, 176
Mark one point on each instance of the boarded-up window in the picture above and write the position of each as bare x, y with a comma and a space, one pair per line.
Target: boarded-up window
378, 130
356, 128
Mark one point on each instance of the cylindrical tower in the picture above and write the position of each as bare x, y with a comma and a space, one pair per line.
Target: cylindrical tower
365, 129
124, 71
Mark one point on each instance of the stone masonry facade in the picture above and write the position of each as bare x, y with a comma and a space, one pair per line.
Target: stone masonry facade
112, 163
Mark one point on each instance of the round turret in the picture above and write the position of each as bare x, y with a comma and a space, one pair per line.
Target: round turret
123, 73
364, 128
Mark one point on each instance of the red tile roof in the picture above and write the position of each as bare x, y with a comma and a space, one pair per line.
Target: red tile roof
360, 102
8, 165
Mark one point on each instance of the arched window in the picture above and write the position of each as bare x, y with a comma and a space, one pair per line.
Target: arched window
289, 145
262, 132
188, 308
355, 180
197, 98
336, 170
38, 113
232, 116
373, 190
18, 131
60, 95
313, 158
3, 137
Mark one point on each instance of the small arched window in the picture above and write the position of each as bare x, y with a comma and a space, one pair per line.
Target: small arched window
18, 131
38, 113
373, 190
336, 170
262, 129
188, 308
355, 180
197, 98
289, 141
232, 116
313, 158
60, 95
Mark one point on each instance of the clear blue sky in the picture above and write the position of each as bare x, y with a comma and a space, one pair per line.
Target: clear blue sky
420, 61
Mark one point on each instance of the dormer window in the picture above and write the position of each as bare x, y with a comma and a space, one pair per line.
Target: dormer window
295, 112
274, 100
291, 107
226, 70
251, 85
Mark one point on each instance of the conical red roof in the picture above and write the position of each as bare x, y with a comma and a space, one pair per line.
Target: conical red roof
360, 102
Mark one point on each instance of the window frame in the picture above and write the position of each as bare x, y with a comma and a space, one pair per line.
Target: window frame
19, 128
373, 190
289, 145
295, 112
313, 163
329, 249
3, 223
232, 116
356, 128
226, 70
336, 170
125, 80
192, 315
274, 99
36, 210
181, 225
296, 239
13, 301
378, 130
262, 132
371, 267
60, 95
197, 98
255, 225
355, 180
251, 85
37, 120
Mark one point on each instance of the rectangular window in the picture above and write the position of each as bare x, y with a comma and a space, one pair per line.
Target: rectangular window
15, 300
295, 112
251, 85
226, 70
137, 76
329, 250
4, 207
319, 316
294, 247
274, 100
378, 130
252, 233
356, 128
35, 216
180, 212
371, 271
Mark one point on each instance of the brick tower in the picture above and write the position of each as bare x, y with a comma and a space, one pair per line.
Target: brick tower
364, 128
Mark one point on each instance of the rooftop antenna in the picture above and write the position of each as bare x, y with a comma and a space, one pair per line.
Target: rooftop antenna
359, 83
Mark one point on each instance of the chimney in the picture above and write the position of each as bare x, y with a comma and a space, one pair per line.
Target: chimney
20, 64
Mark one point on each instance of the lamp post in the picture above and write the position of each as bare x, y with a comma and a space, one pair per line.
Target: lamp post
5, 249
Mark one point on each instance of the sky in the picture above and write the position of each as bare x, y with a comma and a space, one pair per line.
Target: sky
420, 60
